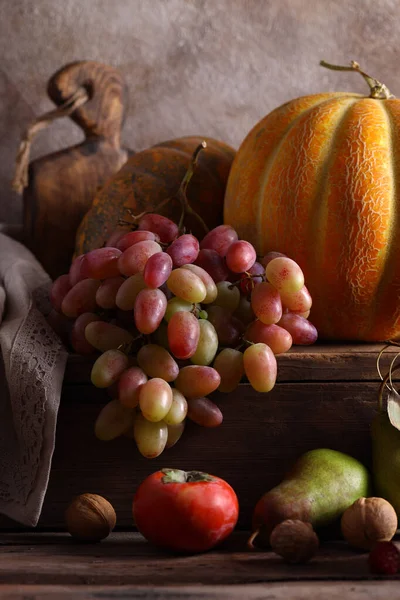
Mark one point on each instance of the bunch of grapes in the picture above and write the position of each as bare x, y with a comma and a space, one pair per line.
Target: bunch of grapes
176, 319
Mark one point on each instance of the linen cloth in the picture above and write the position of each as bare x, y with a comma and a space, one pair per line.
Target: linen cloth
32, 368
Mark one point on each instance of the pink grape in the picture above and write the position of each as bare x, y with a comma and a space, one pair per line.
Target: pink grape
229, 364
213, 264
219, 239
260, 367
156, 361
114, 238
75, 270
155, 399
186, 285
184, 250
204, 412
133, 237
101, 263
108, 368
59, 290
81, 298
247, 284
229, 329
211, 288
270, 256
302, 331
277, 338
195, 381
149, 311
166, 229
285, 275
183, 334
266, 303
129, 385
134, 259
105, 336
127, 293
299, 302
157, 270
107, 293
240, 256
77, 336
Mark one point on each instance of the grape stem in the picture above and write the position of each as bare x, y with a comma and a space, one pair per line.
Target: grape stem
248, 276
181, 196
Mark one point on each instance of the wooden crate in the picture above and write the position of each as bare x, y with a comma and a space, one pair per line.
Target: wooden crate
325, 397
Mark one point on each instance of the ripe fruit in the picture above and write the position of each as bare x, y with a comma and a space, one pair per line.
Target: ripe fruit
384, 559
159, 320
185, 511
314, 180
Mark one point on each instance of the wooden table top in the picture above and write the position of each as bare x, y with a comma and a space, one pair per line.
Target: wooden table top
51, 565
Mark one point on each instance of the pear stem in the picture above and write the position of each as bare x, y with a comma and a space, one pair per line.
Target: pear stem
250, 541
378, 89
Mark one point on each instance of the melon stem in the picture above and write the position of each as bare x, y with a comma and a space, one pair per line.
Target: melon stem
378, 89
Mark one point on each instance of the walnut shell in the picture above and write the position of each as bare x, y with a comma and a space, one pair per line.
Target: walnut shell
294, 540
90, 518
367, 521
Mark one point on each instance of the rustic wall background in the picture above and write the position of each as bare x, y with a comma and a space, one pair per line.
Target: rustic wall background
212, 67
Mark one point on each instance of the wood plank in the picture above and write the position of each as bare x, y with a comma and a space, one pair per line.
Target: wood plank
320, 362
127, 559
258, 441
350, 590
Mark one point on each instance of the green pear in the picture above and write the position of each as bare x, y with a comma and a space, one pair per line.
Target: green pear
321, 485
386, 460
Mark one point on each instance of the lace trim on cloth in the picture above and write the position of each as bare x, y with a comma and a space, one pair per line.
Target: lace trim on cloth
34, 374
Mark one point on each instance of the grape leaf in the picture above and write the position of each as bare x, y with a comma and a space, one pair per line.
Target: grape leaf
393, 408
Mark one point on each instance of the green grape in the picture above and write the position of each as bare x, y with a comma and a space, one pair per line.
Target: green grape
113, 421
179, 407
104, 336
155, 399
156, 361
126, 295
228, 296
186, 285
108, 368
229, 364
176, 304
244, 312
174, 433
150, 438
207, 345
211, 288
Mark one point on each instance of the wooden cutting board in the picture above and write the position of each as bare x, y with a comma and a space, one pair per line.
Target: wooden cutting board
61, 186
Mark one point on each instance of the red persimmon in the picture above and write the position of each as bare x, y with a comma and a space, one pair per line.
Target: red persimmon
185, 511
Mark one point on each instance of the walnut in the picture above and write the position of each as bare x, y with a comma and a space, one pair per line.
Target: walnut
90, 518
294, 540
367, 521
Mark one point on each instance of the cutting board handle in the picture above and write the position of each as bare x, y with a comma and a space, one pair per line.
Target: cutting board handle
103, 114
